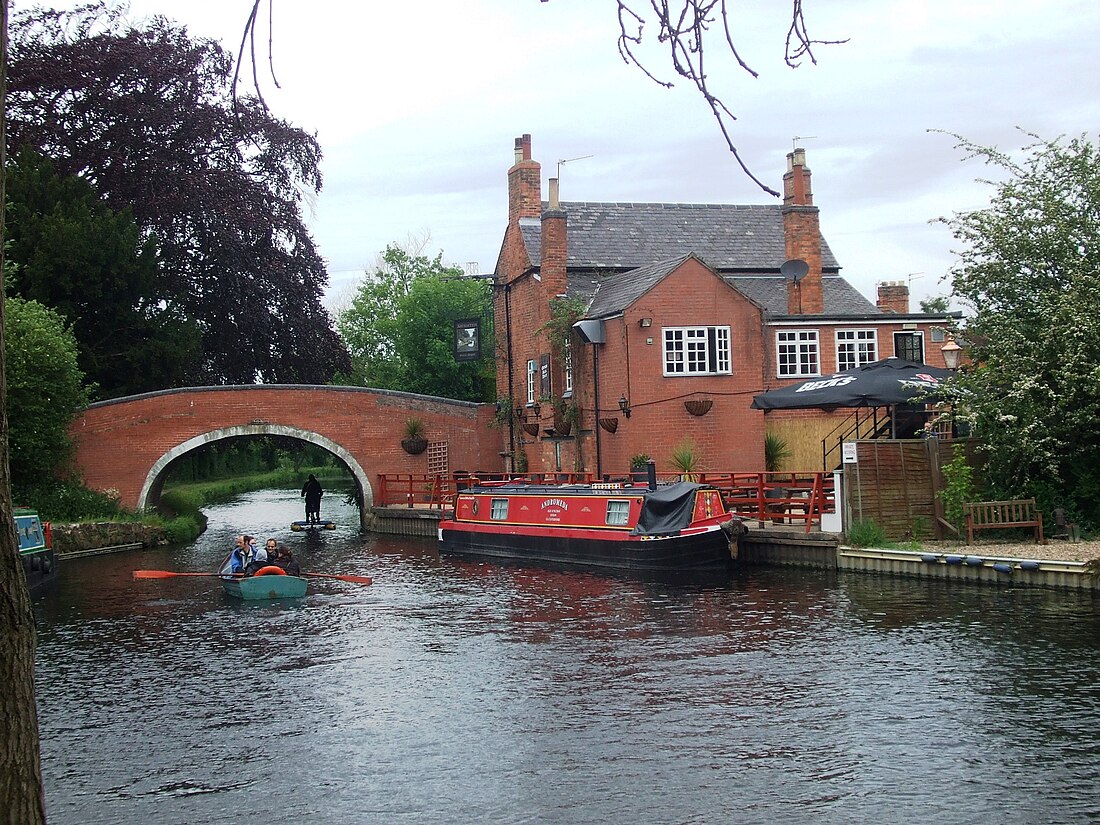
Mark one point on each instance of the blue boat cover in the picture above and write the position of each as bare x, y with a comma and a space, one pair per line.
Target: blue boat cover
667, 510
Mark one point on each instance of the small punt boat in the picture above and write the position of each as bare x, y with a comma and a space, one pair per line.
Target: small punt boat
35, 549
269, 582
681, 528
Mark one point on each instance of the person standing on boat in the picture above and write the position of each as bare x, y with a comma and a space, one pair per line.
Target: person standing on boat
312, 493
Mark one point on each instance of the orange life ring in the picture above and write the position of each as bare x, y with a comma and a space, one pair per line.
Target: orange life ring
270, 570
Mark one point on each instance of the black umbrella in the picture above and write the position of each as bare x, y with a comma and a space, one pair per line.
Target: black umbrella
881, 384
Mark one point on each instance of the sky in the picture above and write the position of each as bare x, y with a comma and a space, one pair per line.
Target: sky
417, 105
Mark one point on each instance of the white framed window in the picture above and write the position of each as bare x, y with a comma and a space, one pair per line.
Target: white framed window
567, 357
855, 347
532, 372
798, 353
498, 510
697, 350
618, 512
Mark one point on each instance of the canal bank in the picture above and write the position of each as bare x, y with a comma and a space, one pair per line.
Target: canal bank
779, 546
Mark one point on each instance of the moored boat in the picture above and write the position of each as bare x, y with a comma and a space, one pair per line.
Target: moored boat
35, 549
680, 528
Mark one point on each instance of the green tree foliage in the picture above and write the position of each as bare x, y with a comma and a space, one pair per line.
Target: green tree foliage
75, 255
1030, 275
45, 389
369, 325
146, 115
399, 328
425, 338
937, 305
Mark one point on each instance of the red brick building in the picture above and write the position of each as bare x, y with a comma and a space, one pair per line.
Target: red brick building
684, 314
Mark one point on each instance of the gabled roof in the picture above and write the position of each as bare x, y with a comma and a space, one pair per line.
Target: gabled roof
616, 292
622, 236
770, 292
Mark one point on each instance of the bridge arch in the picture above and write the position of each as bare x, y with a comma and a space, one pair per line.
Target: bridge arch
153, 479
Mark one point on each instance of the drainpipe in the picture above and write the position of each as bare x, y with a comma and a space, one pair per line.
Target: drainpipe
511, 386
596, 403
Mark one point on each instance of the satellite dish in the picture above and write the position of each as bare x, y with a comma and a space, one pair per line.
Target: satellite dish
795, 269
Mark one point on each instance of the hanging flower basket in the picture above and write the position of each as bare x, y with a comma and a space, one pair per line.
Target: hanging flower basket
531, 428
698, 406
609, 424
563, 426
414, 446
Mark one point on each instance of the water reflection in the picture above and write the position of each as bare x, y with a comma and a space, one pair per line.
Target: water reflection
453, 691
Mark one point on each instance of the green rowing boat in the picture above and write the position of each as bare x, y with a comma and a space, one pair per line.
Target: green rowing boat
265, 587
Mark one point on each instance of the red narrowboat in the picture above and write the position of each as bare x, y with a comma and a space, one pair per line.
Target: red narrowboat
680, 528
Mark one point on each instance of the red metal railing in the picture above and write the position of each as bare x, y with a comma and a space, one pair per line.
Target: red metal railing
781, 498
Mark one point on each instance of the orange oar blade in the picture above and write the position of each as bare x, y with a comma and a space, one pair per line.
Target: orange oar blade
168, 574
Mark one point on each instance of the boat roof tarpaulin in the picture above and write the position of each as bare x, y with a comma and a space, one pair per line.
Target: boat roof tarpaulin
667, 510
881, 384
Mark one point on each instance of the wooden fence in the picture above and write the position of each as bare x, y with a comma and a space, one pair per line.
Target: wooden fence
781, 498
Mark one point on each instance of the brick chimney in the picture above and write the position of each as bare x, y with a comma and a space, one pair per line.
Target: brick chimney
554, 243
802, 236
893, 296
524, 184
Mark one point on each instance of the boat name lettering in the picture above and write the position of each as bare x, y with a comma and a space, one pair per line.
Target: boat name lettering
809, 386
554, 502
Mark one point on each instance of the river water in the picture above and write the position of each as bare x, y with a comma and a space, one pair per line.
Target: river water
457, 692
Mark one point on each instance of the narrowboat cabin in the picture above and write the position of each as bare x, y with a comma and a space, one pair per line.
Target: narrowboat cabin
35, 549
681, 528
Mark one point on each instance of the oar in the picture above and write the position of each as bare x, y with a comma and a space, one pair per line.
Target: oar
353, 579
170, 574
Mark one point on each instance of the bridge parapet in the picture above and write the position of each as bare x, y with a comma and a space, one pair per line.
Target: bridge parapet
127, 444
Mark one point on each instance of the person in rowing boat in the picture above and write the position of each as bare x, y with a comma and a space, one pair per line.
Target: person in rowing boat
285, 559
312, 493
245, 558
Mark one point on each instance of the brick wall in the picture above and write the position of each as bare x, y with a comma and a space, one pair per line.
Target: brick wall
117, 443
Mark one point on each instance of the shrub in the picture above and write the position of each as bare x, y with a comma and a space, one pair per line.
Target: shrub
866, 534
776, 451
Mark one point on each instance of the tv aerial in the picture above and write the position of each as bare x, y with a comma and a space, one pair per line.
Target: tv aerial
794, 269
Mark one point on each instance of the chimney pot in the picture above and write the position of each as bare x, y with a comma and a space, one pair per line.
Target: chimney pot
554, 204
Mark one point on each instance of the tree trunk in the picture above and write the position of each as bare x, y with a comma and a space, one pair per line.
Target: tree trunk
21, 797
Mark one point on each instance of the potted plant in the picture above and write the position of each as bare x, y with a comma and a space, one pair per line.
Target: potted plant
685, 458
414, 442
776, 451
639, 471
566, 414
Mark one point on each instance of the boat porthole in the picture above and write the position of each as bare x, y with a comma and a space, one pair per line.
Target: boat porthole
475, 507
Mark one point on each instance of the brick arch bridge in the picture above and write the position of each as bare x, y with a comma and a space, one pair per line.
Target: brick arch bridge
127, 444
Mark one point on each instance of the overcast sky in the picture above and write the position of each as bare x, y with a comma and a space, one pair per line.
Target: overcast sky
416, 106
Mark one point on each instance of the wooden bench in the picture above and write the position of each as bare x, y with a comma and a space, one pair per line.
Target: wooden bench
993, 515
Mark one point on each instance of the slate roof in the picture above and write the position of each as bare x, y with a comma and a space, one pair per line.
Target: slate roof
621, 236
617, 292
610, 294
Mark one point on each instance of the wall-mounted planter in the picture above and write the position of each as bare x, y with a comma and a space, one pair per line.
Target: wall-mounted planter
414, 446
531, 428
698, 406
609, 424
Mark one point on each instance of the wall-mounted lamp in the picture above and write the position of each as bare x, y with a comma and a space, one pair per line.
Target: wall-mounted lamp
536, 408
624, 405
951, 353
520, 412
645, 322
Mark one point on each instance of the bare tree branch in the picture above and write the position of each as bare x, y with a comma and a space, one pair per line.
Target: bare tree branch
684, 26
